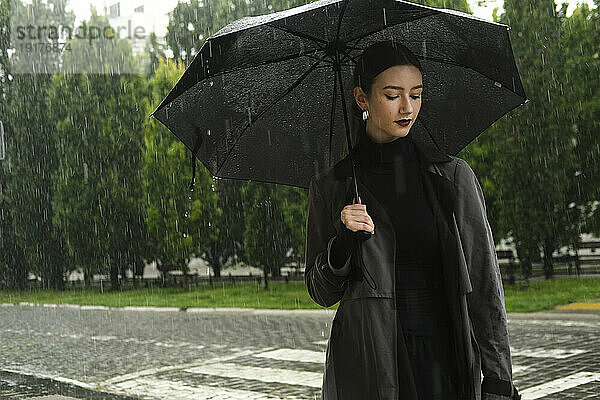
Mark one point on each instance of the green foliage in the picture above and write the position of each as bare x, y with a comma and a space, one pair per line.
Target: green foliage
458, 5
181, 223
4, 46
92, 181
99, 55
580, 98
98, 201
154, 51
230, 240
267, 236
30, 24
532, 153
99, 120
193, 22
33, 157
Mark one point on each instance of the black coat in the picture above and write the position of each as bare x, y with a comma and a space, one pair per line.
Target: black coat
361, 360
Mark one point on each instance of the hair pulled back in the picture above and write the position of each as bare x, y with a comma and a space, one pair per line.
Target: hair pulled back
374, 59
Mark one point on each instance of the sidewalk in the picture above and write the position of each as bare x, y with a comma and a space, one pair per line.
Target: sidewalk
57, 353
51, 398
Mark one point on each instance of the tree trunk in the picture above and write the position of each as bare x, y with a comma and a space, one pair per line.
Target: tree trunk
56, 280
216, 266
114, 278
577, 261
548, 264
266, 279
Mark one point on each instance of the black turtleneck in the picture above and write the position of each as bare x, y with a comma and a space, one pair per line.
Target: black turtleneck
391, 173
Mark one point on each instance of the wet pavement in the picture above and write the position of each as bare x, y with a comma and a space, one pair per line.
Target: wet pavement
241, 354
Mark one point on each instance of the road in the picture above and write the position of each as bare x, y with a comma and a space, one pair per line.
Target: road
241, 354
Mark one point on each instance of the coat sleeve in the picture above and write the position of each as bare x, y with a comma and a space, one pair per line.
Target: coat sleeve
486, 302
325, 283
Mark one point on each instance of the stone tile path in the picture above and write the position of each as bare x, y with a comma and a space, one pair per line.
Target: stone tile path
242, 354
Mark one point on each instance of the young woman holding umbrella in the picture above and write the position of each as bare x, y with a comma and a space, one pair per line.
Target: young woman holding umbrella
421, 311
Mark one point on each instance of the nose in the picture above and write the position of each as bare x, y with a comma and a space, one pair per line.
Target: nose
405, 105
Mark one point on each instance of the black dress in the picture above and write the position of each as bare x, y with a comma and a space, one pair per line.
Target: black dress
391, 173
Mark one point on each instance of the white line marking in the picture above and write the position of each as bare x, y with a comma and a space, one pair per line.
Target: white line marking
517, 369
152, 371
559, 385
133, 308
546, 353
294, 355
290, 377
52, 377
173, 390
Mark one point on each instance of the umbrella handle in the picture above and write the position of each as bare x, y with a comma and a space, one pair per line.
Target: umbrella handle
362, 235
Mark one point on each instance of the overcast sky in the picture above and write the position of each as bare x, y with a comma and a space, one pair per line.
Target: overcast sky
82, 7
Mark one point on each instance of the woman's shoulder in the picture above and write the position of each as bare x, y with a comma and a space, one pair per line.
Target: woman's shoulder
463, 171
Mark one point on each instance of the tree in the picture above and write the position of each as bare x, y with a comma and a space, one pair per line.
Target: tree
293, 204
98, 203
154, 51
580, 98
33, 155
459, 5
181, 223
533, 158
191, 23
267, 237
231, 223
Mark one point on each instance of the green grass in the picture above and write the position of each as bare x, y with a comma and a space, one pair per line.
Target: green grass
292, 295
547, 294
541, 295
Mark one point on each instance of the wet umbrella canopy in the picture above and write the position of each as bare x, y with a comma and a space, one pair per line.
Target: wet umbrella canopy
258, 100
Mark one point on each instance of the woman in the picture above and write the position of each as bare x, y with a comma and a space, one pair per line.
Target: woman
421, 309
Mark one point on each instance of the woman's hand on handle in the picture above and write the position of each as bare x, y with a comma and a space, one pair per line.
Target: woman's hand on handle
355, 217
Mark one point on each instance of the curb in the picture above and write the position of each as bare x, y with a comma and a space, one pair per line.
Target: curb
574, 311
178, 309
556, 315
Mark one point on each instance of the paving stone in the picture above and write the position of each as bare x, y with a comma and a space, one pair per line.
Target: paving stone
246, 355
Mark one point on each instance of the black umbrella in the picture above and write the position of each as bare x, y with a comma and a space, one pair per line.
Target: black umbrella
258, 100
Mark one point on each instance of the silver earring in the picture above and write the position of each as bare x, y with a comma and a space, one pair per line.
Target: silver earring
365, 115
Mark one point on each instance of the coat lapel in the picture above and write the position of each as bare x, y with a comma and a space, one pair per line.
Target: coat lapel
441, 192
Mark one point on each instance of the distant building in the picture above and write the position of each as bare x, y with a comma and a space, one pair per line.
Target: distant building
136, 19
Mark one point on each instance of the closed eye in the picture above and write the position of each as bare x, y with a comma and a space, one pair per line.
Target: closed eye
394, 98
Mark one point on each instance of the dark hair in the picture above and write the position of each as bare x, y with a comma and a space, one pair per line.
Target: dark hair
374, 59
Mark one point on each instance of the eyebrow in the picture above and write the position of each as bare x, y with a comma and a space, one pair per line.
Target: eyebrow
401, 88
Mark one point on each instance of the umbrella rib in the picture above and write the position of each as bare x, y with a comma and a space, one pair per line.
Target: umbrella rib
389, 26
347, 53
450, 62
297, 33
339, 23
290, 57
288, 90
331, 117
430, 135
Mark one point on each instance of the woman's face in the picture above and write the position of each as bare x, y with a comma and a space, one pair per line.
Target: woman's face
395, 95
